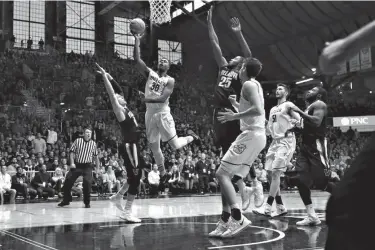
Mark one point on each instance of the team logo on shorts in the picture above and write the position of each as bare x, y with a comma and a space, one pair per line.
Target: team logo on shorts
238, 149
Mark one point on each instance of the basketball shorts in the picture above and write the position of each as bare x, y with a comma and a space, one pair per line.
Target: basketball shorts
225, 133
280, 153
133, 173
312, 165
159, 125
243, 152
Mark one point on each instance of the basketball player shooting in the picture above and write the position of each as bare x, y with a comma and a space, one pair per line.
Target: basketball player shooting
312, 164
128, 151
244, 150
281, 120
159, 121
227, 91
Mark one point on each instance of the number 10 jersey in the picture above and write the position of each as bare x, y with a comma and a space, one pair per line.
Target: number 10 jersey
228, 83
155, 86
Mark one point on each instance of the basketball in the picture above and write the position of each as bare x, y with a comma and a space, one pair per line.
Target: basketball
137, 26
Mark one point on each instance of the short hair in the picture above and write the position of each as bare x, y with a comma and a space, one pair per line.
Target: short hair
253, 67
286, 87
323, 93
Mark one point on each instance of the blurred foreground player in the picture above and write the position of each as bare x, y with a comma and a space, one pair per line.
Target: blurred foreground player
348, 213
227, 90
243, 151
129, 151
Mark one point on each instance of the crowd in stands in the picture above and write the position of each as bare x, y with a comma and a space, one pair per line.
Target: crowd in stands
34, 152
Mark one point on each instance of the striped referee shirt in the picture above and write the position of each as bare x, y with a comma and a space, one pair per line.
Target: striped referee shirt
84, 150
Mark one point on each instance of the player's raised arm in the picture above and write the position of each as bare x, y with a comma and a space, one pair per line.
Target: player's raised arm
236, 27
168, 90
220, 60
343, 49
117, 109
141, 65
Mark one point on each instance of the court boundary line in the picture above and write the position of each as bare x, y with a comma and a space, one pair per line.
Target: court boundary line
281, 234
27, 240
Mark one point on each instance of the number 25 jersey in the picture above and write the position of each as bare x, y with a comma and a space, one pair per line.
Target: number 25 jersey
155, 86
280, 121
228, 83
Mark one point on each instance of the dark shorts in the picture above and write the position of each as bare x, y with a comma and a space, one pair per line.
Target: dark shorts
312, 166
133, 173
225, 133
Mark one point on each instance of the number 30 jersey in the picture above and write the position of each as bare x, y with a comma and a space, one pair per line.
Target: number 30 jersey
280, 121
155, 86
228, 83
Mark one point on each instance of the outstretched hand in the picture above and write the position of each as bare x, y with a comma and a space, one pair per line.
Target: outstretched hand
101, 70
137, 36
235, 24
226, 116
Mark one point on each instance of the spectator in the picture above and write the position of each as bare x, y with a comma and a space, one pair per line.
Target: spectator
41, 44
20, 183
110, 181
29, 43
213, 183
12, 41
22, 44
39, 144
5, 185
202, 167
174, 181
188, 172
58, 182
52, 136
154, 180
42, 182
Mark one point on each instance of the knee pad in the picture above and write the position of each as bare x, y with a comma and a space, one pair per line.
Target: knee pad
133, 185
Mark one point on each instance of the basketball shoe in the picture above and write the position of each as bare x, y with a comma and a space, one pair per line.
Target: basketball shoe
220, 229
126, 215
235, 227
310, 220
280, 211
265, 210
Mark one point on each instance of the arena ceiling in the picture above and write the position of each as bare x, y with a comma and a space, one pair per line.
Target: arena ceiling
286, 36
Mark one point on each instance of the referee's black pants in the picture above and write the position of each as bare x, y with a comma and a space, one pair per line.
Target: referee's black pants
85, 170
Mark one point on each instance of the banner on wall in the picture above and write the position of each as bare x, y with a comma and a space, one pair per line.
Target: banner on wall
342, 69
354, 63
353, 121
366, 60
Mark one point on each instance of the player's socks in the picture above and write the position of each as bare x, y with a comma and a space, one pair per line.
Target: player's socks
270, 200
129, 203
278, 199
225, 216
236, 212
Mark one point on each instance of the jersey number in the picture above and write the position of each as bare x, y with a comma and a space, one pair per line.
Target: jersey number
273, 118
225, 82
155, 87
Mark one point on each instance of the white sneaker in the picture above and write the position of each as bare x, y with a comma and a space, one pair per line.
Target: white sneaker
129, 217
280, 211
247, 193
265, 210
309, 221
258, 195
220, 229
235, 227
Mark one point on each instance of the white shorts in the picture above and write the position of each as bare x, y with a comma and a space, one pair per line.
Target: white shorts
280, 153
159, 125
243, 152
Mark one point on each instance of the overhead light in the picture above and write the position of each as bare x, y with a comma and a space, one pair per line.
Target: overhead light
351, 85
303, 77
306, 80
370, 92
313, 69
61, 103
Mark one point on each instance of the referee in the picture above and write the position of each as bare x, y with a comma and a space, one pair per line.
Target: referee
82, 153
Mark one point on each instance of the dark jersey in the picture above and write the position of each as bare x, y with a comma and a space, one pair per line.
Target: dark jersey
228, 83
310, 133
129, 128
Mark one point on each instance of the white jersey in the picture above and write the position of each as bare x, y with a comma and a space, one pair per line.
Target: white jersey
252, 122
155, 86
279, 121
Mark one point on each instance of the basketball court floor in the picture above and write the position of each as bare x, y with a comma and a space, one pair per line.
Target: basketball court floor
168, 223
